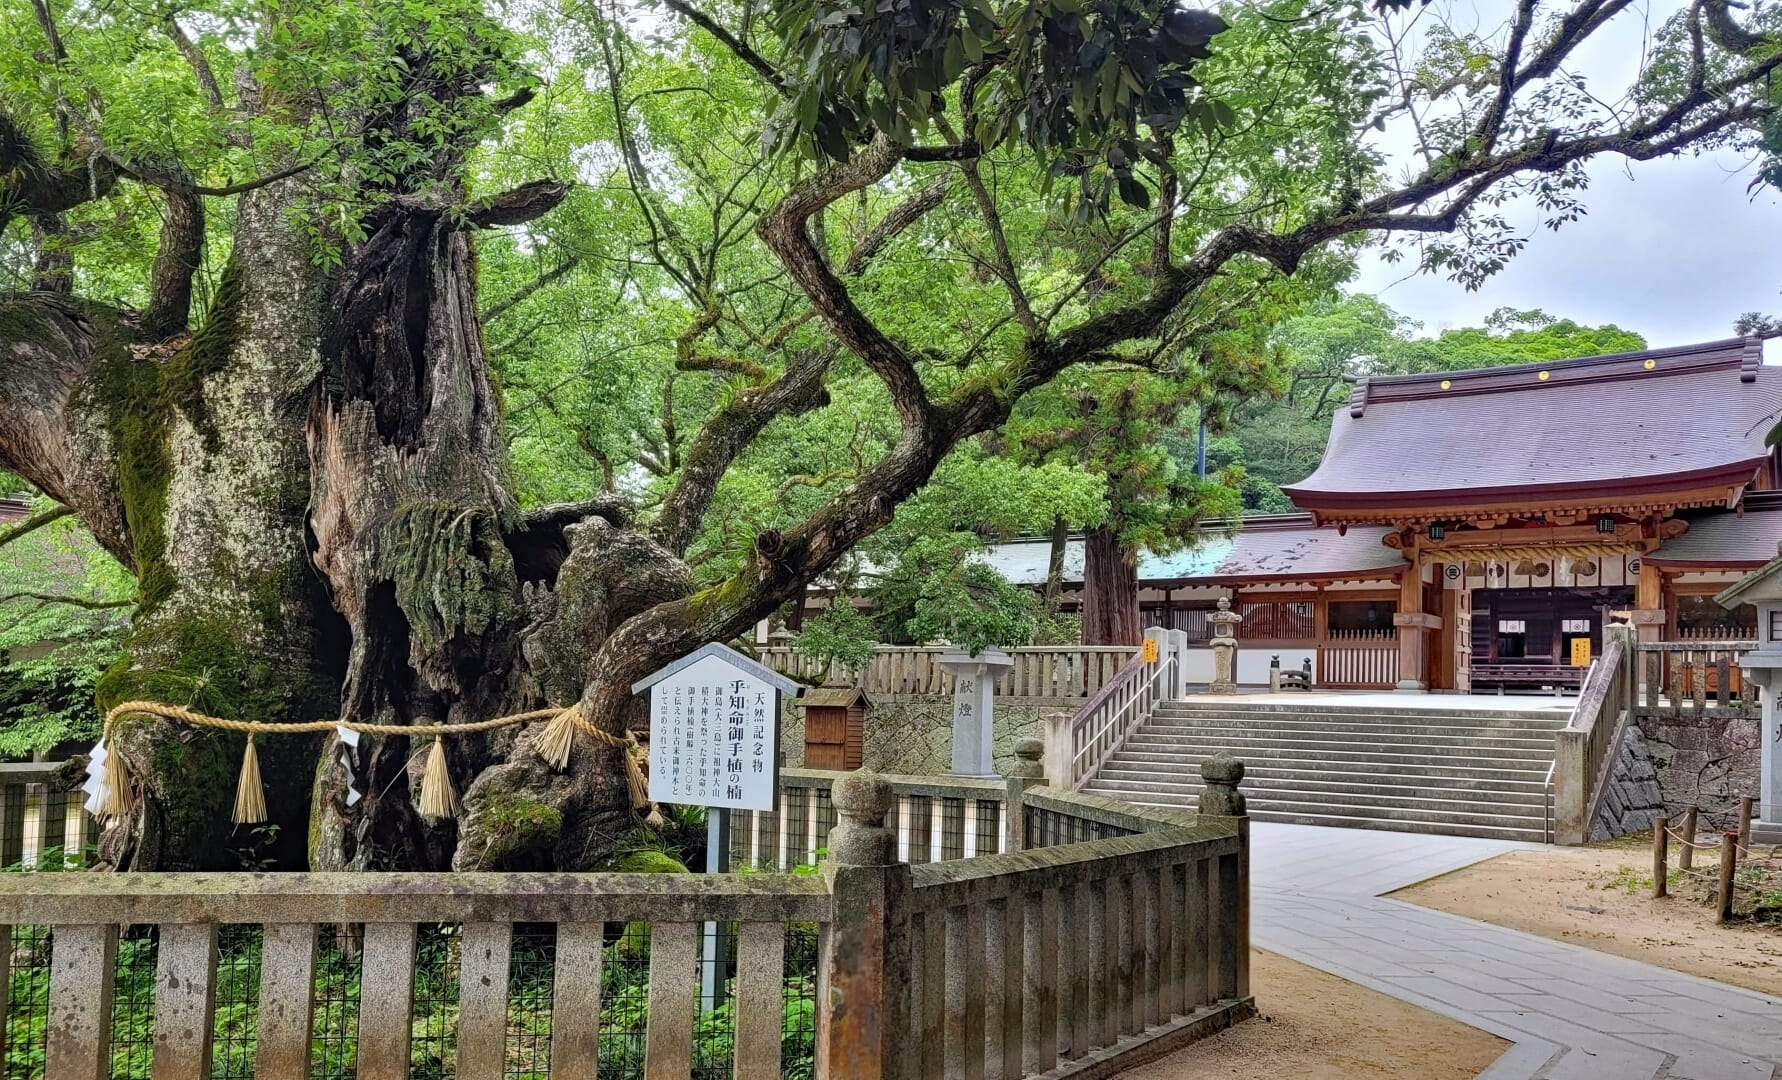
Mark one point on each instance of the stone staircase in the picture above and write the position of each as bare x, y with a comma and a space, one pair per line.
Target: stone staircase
1467, 772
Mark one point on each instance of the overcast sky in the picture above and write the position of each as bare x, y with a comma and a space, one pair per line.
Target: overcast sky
1673, 249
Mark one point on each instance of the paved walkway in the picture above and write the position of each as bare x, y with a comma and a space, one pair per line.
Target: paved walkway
1572, 1013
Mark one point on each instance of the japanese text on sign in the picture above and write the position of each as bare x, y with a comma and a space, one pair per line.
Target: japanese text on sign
713, 733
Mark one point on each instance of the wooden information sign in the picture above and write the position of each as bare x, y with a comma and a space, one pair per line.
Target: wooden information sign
1581, 652
715, 730
715, 742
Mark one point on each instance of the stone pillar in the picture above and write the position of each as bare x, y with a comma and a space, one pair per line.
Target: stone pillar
1161, 636
1767, 829
1178, 648
1056, 756
1025, 773
863, 1015
1761, 670
974, 697
1630, 658
1221, 798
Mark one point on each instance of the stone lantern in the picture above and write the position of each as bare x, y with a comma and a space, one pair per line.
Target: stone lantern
1224, 623
974, 693
1763, 668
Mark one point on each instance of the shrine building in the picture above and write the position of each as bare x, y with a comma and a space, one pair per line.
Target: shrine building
1476, 529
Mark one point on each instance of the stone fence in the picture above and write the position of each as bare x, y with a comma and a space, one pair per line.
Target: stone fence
1041, 675
1040, 932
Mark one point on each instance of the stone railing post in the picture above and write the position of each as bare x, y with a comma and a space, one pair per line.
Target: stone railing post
1222, 774
1571, 785
1178, 648
1026, 772
1221, 798
1056, 753
863, 1000
1160, 636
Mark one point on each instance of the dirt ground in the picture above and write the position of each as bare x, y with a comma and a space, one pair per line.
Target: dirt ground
1315, 1026
1600, 897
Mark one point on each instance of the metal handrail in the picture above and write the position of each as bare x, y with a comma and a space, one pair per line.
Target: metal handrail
1547, 802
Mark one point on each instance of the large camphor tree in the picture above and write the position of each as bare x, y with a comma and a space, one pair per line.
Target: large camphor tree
245, 338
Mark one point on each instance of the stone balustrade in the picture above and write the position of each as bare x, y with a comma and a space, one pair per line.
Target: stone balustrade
1060, 930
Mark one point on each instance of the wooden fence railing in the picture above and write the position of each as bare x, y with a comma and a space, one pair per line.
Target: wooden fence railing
1082, 742
1584, 751
1694, 675
1004, 964
1368, 660
1055, 675
38, 815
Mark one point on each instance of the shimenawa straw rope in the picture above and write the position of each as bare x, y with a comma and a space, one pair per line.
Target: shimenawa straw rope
438, 797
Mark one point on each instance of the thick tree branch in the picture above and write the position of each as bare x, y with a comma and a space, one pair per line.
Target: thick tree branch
177, 260
999, 241
731, 429
516, 206
31, 186
49, 347
1726, 33
615, 510
197, 61
900, 217
783, 230
52, 270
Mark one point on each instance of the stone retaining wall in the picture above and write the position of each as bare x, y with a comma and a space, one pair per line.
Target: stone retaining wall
914, 736
1634, 798
1707, 762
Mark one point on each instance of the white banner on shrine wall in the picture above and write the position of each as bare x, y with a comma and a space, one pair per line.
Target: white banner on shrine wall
714, 733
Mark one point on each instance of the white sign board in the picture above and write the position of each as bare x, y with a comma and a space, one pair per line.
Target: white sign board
714, 736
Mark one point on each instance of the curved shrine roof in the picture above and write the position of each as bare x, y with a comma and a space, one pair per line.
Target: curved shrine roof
1633, 423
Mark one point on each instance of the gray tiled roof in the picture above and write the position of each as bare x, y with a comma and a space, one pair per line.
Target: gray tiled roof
1724, 539
1697, 415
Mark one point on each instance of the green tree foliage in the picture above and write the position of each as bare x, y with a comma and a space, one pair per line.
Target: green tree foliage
62, 621
1279, 442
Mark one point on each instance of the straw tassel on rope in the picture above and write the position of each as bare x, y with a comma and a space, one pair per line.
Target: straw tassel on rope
555, 742
250, 794
438, 798
116, 798
557, 739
